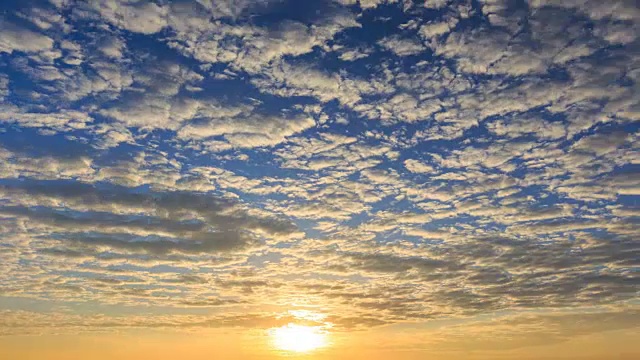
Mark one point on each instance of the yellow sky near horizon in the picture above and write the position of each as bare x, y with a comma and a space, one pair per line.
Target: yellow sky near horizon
412, 343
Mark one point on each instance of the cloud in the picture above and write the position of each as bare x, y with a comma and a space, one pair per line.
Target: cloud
416, 166
410, 161
287, 80
529, 330
366, 4
528, 125
63, 120
119, 218
16, 38
133, 15
601, 144
249, 131
250, 48
619, 9
402, 47
434, 29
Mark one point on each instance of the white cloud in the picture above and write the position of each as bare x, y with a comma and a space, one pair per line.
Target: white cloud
434, 29
402, 46
4, 86
16, 38
64, 120
417, 166
250, 48
287, 80
133, 15
528, 125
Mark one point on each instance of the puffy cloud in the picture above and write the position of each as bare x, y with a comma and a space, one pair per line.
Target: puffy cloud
153, 112
16, 38
416, 166
366, 4
601, 144
528, 125
401, 46
252, 131
250, 48
287, 80
4, 87
133, 15
112, 47
434, 29
63, 120
617, 9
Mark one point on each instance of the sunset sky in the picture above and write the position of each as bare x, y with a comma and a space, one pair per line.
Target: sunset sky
320, 179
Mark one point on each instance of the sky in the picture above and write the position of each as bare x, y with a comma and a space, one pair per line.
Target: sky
320, 179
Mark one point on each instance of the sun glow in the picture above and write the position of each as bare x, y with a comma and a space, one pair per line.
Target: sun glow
298, 338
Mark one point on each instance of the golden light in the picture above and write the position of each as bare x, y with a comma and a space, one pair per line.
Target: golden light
298, 338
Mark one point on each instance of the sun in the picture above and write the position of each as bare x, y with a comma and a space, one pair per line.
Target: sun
298, 338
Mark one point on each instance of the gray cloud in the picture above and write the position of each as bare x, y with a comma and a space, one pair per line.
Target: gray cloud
156, 222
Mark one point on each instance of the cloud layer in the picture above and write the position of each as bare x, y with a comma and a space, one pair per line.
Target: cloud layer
392, 162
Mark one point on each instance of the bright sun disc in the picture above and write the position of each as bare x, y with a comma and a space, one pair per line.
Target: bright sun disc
298, 338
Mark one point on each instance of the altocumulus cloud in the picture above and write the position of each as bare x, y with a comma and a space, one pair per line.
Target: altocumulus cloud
458, 158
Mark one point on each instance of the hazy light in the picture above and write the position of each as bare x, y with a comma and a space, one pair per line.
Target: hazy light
298, 338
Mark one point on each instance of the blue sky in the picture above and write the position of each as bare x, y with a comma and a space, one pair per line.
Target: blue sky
388, 162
